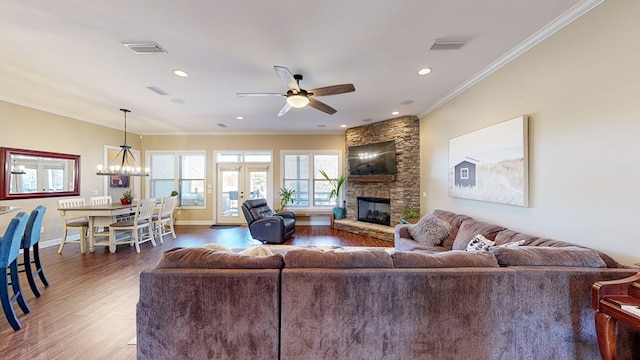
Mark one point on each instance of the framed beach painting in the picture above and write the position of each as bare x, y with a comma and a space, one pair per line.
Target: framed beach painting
491, 164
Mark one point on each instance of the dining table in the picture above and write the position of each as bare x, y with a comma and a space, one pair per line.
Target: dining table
101, 215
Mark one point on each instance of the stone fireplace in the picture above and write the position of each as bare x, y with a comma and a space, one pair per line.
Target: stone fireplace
374, 210
402, 189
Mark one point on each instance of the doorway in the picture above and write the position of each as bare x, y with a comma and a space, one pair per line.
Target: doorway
237, 183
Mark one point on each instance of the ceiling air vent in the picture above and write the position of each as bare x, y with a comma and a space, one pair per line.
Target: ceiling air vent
145, 48
157, 90
447, 45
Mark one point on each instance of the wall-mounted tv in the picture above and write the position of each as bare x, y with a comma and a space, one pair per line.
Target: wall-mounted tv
373, 159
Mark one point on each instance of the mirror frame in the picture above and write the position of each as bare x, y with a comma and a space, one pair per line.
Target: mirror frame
5, 174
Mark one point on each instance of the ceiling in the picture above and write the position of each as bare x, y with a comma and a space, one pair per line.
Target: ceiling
67, 57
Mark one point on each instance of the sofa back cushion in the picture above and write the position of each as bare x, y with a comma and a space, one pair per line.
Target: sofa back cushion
202, 258
572, 256
455, 220
507, 236
447, 259
470, 228
316, 258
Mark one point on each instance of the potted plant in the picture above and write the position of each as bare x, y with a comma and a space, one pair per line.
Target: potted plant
126, 197
411, 214
336, 184
286, 198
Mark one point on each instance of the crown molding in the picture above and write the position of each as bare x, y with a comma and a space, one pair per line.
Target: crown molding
556, 25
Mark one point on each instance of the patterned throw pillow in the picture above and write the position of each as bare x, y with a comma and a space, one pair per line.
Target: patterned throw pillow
480, 243
430, 230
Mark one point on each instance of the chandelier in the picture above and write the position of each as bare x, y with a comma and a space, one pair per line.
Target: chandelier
124, 163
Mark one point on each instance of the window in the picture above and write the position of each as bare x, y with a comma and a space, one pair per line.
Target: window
178, 171
301, 172
464, 173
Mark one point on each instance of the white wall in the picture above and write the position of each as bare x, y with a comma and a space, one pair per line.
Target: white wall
581, 89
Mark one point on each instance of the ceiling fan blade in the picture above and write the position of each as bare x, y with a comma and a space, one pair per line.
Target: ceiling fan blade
285, 109
260, 94
333, 90
288, 79
321, 106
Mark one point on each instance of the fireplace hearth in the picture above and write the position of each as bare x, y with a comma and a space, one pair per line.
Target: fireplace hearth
374, 210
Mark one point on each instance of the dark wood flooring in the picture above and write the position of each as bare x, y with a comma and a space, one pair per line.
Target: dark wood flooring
88, 311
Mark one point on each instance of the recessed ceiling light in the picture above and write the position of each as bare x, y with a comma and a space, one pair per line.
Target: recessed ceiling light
180, 73
395, 113
178, 101
343, 126
222, 125
239, 118
407, 102
424, 71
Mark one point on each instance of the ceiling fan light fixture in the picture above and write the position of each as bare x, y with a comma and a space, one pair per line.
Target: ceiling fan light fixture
297, 100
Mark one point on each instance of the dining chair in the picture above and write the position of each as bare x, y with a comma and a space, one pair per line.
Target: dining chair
74, 222
164, 218
9, 251
100, 231
31, 240
141, 220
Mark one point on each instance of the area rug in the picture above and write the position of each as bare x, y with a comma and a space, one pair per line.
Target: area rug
223, 226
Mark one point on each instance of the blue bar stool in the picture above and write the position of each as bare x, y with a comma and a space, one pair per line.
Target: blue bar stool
30, 241
9, 251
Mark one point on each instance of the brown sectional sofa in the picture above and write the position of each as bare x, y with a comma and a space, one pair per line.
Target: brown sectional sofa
374, 304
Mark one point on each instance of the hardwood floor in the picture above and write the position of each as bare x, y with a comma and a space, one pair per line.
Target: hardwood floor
88, 311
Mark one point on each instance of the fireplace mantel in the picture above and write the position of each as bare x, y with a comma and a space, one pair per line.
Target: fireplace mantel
372, 178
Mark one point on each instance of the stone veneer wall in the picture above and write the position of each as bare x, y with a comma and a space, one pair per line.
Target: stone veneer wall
404, 189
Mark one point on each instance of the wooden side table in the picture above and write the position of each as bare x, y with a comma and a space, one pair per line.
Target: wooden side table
608, 299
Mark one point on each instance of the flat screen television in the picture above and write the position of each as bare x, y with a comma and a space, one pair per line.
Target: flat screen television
373, 159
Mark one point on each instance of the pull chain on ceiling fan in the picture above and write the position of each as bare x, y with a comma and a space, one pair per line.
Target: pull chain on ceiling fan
298, 97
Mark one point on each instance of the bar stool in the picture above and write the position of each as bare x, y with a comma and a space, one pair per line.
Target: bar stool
9, 251
31, 240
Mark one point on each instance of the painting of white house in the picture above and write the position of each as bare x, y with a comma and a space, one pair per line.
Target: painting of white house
491, 164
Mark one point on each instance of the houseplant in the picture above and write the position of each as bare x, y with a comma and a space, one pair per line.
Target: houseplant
126, 197
336, 184
411, 214
286, 197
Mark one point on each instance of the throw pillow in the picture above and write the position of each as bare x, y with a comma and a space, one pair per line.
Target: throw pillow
480, 243
430, 230
259, 250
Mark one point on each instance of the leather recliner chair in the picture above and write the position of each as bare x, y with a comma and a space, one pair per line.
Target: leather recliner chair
266, 226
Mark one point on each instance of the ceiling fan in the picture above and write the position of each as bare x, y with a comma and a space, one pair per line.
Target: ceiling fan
298, 97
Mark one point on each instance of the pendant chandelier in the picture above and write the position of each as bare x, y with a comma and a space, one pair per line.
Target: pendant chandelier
124, 163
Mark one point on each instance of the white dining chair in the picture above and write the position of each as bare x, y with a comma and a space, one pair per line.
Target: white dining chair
73, 222
100, 231
163, 219
141, 221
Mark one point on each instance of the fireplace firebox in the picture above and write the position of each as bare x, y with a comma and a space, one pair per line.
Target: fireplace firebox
374, 210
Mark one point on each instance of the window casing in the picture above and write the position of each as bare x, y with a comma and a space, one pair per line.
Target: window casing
181, 171
301, 172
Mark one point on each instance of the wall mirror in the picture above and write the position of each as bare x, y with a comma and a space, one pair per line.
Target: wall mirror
27, 174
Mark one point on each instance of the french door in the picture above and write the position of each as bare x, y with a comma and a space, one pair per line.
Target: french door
237, 183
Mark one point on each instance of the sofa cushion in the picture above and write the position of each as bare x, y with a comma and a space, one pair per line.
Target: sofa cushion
547, 256
317, 258
479, 243
471, 228
202, 258
430, 230
507, 235
447, 259
455, 220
